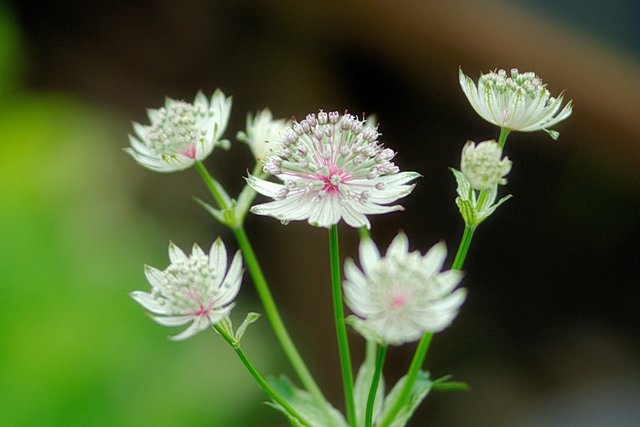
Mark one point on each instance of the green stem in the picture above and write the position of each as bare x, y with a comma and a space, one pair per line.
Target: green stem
259, 379
463, 248
341, 329
502, 139
382, 353
423, 346
274, 318
266, 297
412, 375
212, 185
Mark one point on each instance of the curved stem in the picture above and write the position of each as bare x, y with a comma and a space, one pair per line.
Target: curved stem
341, 329
371, 399
259, 379
264, 293
414, 369
274, 318
423, 346
502, 139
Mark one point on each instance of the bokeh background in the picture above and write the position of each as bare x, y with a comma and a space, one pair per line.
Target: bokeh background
549, 334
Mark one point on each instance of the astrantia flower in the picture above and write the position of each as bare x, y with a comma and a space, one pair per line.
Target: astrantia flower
482, 165
519, 102
180, 133
332, 167
196, 289
402, 295
262, 134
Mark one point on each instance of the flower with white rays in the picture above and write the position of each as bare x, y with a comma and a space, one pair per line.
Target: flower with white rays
262, 134
331, 167
181, 133
519, 101
196, 288
403, 295
482, 165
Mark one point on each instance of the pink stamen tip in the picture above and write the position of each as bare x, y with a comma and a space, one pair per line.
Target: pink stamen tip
399, 301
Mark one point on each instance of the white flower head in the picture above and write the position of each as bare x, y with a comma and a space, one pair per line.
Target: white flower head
181, 133
402, 295
196, 288
482, 165
331, 167
519, 101
262, 134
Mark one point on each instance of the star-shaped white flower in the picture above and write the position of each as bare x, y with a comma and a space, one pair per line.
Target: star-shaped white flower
403, 295
517, 102
332, 167
196, 288
180, 133
262, 134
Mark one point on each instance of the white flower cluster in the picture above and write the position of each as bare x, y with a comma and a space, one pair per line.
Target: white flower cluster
483, 166
515, 101
180, 133
196, 288
403, 295
331, 167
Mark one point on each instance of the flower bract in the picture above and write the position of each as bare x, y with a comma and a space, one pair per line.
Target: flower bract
180, 133
403, 295
262, 134
483, 166
515, 101
331, 167
194, 289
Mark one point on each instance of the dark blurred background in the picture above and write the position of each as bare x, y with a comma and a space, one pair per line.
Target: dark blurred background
549, 333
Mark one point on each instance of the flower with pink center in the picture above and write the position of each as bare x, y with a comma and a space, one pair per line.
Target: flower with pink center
196, 288
331, 167
181, 133
403, 295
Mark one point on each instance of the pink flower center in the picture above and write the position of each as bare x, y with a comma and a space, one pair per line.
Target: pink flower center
333, 180
189, 152
399, 301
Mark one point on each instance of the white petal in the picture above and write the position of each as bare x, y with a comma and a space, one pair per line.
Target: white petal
154, 276
399, 247
218, 259
354, 218
231, 284
175, 254
147, 301
266, 188
434, 258
369, 255
198, 325
173, 320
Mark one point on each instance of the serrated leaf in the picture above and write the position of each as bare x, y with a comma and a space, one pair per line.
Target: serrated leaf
419, 391
251, 317
302, 402
464, 187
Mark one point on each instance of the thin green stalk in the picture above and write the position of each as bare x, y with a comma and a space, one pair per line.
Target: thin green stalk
412, 375
423, 346
502, 139
463, 248
274, 318
341, 329
259, 379
266, 297
212, 185
371, 399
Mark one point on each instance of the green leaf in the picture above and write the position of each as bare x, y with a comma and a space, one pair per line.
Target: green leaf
302, 402
420, 389
487, 212
467, 211
246, 197
251, 317
216, 213
444, 384
463, 184
363, 385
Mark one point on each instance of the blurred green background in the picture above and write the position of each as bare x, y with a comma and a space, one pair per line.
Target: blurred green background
549, 334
